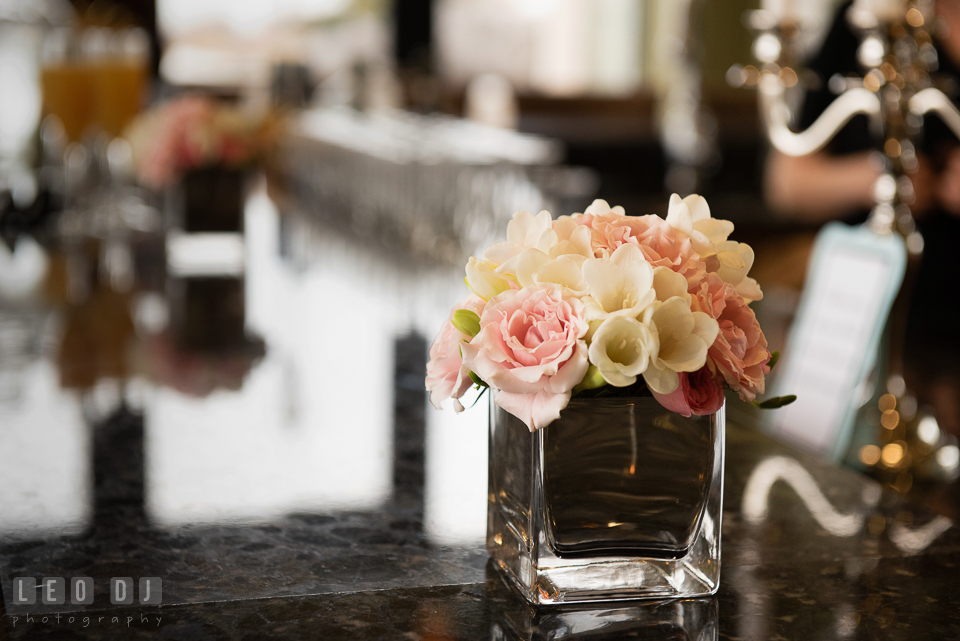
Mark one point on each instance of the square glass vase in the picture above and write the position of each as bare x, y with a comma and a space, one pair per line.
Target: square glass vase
617, 499
208, 199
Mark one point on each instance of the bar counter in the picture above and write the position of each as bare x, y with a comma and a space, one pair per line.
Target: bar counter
300, 486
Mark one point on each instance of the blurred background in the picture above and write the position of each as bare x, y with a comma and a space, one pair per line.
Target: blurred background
187, 187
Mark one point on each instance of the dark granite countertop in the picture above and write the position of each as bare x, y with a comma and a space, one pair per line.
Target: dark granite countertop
305, 489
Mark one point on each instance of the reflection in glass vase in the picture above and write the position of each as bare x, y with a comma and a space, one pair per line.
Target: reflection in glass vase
676, 620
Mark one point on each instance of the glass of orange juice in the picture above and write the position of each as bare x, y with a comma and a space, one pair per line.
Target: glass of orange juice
120, 79
95, 78
65, 83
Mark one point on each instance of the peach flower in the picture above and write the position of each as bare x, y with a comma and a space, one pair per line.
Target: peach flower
699, 393
661, 244
446, 375
531, 348
740, 351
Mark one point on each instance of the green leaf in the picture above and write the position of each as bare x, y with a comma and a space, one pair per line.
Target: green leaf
774, 357
480, 395
775, 402
591, 380
467, 322
476, 379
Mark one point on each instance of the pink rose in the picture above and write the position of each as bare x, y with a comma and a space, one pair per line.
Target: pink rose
530, 347
446, 375
740, 352
172, 143
158, 164
661, 244
699, 393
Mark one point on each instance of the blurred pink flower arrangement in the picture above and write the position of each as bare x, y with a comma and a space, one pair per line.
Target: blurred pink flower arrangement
191, 132
601, 303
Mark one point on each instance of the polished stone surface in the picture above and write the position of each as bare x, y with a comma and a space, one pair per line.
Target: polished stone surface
310, 491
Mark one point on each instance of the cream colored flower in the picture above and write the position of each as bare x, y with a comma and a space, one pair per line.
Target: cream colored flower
529, 238
685, 336
729, 259
533, 267
621, 285
525, 231
622, 349
572, 238
483, 279
600, 207
565, 271
524, 266
691, 215
735, 260
556, 258
669, 284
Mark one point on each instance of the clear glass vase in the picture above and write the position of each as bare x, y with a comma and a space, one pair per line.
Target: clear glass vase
208, 199
617, 499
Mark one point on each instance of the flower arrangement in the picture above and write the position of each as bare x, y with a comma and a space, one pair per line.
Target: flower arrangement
191, 132
602, 303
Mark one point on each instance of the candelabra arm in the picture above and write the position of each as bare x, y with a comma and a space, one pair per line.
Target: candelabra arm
847, 105
934, 100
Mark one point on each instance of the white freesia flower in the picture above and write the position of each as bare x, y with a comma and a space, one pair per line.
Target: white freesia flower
735, 260
565, 271
556, 258
525, 231
571, 238
483, 279
729, 259
685, 336
533, 267
600, 207
691, 215
669, 284
621, 285
524, 266
622, 349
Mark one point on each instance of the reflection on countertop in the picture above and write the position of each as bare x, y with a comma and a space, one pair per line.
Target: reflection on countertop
298, 483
